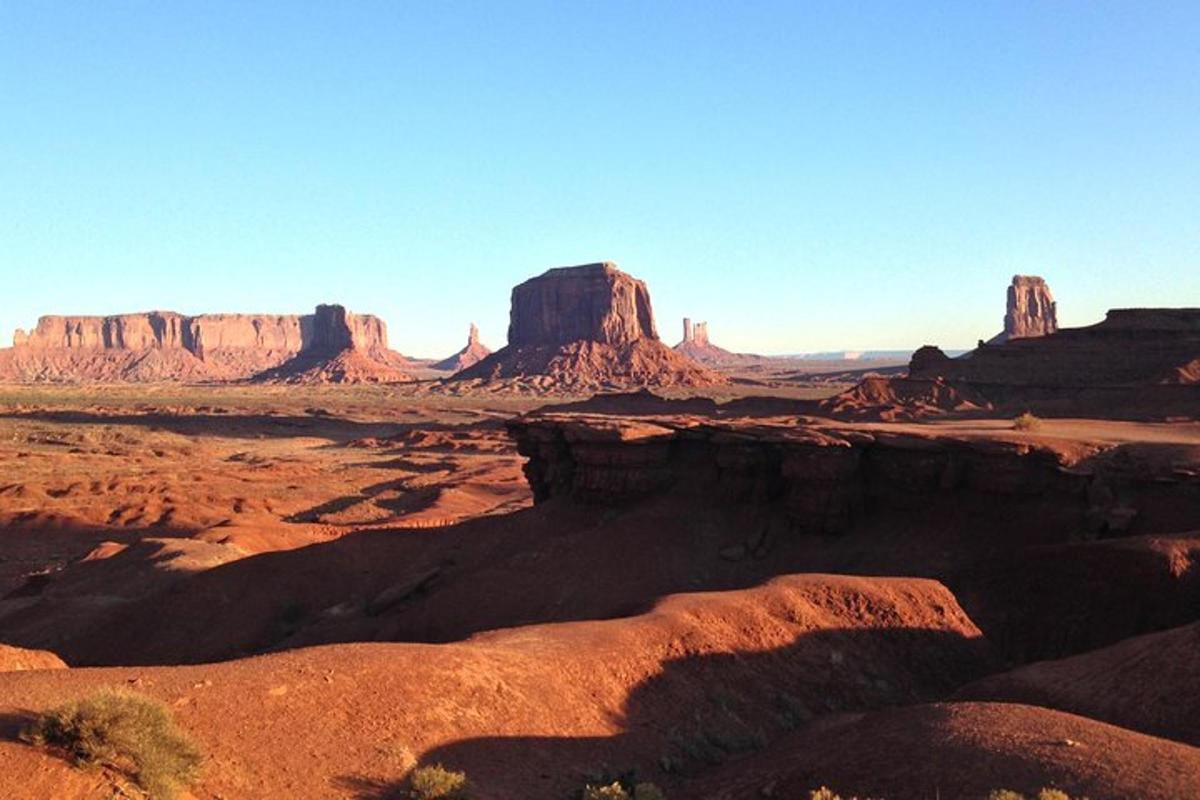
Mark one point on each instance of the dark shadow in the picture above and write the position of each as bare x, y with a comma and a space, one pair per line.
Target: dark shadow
363, 788
12, 723
697, 712
338, 430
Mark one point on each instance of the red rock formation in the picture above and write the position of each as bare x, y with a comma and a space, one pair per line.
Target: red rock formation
583, 328
164, 345
1031, 310
593, 302
469, 356
1137, 364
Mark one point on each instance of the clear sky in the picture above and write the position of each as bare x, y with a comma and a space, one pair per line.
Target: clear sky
805, 176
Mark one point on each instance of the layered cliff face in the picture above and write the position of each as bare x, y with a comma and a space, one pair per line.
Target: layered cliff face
593, 302
584, 328
164, 345
1031, 310
982, 510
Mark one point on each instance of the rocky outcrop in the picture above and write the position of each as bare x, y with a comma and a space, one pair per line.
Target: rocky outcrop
469, 356
927, 360
1031, 310
164, 345
1139, 363
575, 329
824, 477
1045, 542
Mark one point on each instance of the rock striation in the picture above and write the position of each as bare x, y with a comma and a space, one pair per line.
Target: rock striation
469, 356
1031, 310
584, 328
592, 302
164, 345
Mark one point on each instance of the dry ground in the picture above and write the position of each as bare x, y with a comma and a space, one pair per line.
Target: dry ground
570, 651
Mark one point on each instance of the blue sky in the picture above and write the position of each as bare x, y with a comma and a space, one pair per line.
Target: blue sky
805, 176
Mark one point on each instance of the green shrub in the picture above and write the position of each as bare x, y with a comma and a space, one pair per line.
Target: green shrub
438, 783
123, 731
1026, 422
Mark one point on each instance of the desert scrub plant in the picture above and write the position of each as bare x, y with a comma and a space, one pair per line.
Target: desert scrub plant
123, 731
438, 783
615, 791
1045, 793
1027, 422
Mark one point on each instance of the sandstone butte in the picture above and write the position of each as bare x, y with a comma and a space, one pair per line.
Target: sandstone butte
585, 327
330, 344
1031, 310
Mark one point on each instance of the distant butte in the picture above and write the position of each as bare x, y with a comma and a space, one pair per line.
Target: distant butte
584, 328
697, 346
469, 356
1031, 310
329, 345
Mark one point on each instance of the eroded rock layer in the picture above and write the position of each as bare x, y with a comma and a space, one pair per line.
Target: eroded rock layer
1139, 363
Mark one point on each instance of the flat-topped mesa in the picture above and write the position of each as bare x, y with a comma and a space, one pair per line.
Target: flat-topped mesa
592, 302
1031, 310
166, 346
331, 327
581, 329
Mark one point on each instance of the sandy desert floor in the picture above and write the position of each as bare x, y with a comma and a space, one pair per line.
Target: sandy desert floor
329, 585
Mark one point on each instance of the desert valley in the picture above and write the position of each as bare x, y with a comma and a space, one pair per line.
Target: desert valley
592, 564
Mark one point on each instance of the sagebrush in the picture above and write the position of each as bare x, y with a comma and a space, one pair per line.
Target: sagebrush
438, 783
126, 732
616, 791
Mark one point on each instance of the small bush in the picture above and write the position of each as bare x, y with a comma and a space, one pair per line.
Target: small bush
1052, 794
438, 783
615, 791
124, 731
824, 793
1026, 422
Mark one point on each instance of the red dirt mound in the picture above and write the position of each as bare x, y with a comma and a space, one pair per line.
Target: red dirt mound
1147, 683
900, 399
587, 366
346, 366
640, 403
528, 712
16, 659
962, 751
